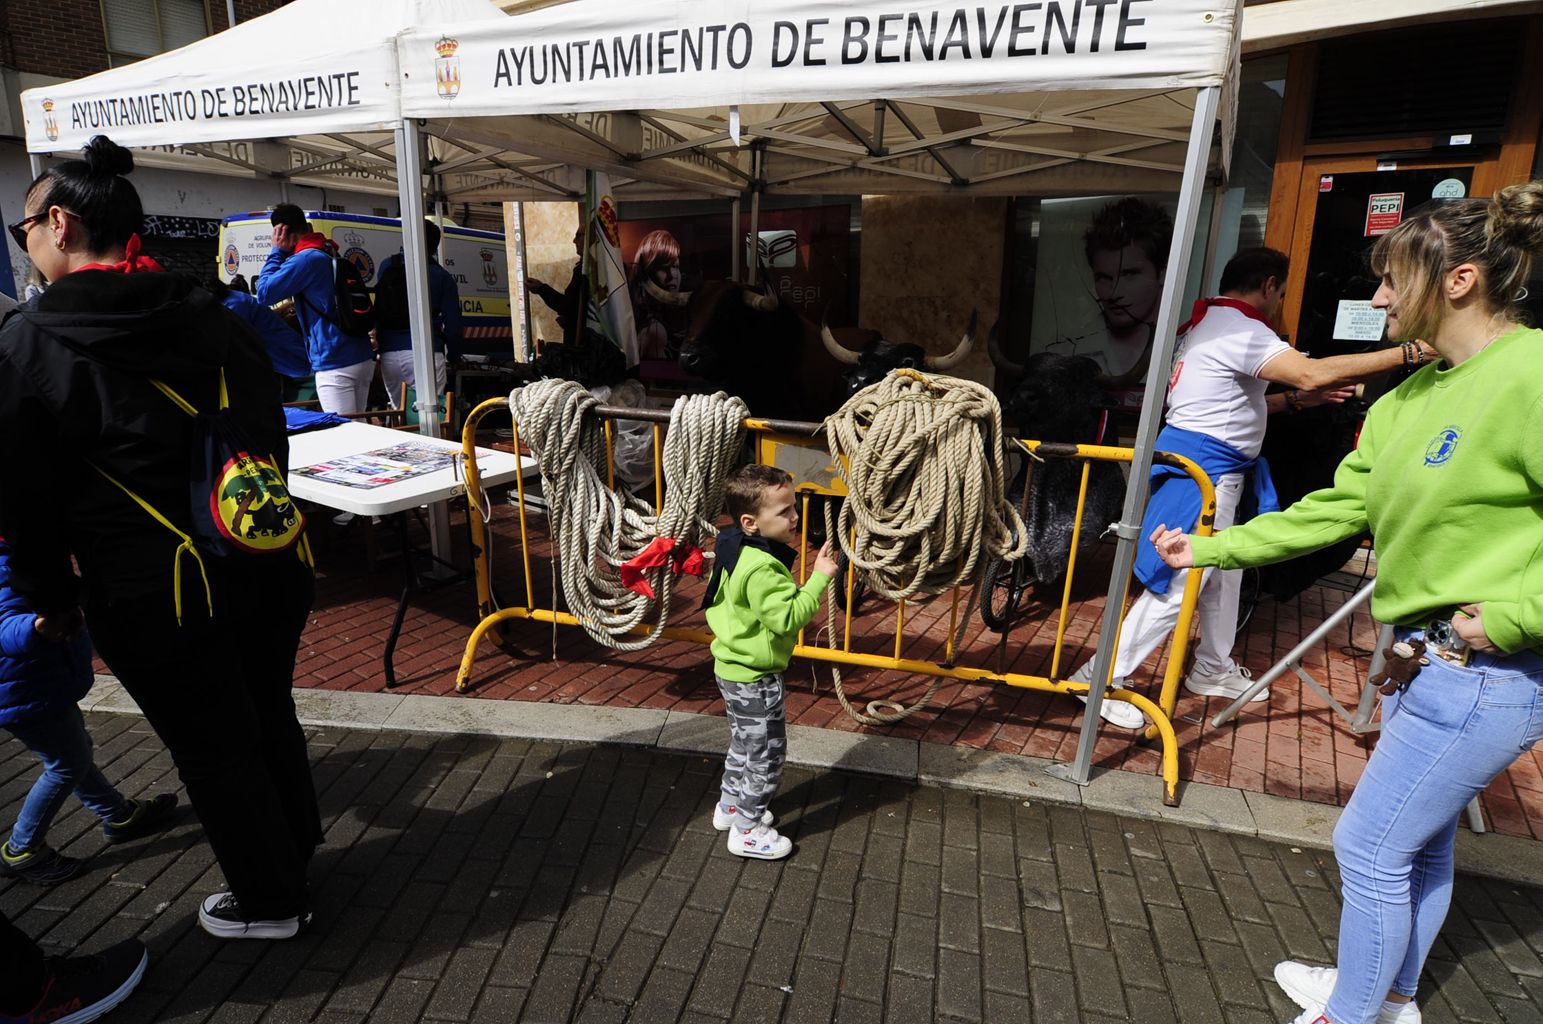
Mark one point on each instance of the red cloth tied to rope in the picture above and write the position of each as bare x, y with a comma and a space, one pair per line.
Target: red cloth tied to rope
659, 553
1197, 313
133, 260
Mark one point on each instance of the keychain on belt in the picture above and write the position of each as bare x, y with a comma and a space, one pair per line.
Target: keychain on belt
1401, 663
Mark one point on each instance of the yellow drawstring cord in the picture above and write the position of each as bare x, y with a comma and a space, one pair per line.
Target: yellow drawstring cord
185, 548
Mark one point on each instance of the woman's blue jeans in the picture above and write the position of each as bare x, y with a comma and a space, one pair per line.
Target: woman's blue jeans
59, 739
1443, 740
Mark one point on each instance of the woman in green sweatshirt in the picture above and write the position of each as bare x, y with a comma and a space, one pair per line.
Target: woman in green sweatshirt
1448, 477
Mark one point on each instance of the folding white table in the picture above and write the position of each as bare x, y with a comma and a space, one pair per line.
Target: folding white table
396, 498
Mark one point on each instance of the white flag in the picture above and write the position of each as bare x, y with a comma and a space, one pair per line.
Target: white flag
610, 300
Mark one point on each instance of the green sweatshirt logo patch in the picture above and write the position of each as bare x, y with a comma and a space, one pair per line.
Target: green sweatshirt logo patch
1442, 446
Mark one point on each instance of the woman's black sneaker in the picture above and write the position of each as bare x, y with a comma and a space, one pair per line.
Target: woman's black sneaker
142, 818
220, 915
41, 865
81, 988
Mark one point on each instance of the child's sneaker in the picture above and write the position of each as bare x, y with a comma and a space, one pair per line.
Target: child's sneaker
41, 865
220, 916
81, 988
762, 843
1310, 987
723, 819
143, 818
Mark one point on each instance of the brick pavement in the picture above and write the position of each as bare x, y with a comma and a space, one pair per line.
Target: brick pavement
1291, 747
467, 878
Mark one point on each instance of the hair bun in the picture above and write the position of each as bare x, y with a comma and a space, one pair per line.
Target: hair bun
1516, 216
106, 158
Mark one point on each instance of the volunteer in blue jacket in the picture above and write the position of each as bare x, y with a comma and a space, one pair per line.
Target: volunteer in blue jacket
394, 337
286, 349
300, 265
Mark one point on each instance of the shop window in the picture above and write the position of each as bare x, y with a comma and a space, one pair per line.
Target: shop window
142, 28
1407, 83
1246, 202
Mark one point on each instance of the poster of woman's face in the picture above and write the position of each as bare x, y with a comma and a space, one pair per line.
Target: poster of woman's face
1100, 277
677, 254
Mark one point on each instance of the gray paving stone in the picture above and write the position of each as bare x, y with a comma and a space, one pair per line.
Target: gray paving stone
466, 880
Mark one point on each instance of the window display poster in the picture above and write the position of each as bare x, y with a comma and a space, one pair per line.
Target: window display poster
809, 268
1099, 281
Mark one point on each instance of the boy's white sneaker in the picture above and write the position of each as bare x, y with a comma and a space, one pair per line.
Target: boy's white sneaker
1309, 987
1120, 713
760, 843
722, 819
1230, 684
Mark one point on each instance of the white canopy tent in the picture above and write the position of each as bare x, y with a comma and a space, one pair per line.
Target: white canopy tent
1063, 97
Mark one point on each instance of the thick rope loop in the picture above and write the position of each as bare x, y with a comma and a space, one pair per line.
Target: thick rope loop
923, 458
596, 529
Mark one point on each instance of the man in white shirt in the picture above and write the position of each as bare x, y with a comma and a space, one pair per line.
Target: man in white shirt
1217, 408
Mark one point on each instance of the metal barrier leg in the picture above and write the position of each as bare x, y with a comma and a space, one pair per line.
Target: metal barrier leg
1476, 817
1293, 661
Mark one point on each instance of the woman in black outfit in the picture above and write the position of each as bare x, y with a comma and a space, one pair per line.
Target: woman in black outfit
205, 644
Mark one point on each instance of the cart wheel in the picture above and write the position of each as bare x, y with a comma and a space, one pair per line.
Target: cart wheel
1006, 584
859, 588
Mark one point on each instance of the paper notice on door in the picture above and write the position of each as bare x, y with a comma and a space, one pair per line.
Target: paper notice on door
1356, 320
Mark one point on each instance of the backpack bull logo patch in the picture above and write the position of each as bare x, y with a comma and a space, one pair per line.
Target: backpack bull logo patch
252, 508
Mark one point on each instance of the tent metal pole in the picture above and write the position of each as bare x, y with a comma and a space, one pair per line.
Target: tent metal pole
415, 249
753, 257
39, 163
1127, 530
734, 246
230, 13
1213, 238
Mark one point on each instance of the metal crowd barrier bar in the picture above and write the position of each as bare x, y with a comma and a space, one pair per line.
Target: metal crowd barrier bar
792, 445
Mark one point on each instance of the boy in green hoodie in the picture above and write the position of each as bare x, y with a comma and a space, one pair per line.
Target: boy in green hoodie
755, 610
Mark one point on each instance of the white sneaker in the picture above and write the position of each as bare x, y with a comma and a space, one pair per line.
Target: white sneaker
1229, 684
760, 843
723, 819
1309, 987
1119, 713
220, 915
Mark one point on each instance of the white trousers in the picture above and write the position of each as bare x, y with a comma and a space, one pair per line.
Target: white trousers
395, 367
1152, 618
346, 389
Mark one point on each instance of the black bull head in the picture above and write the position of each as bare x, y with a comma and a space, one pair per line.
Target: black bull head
749, 343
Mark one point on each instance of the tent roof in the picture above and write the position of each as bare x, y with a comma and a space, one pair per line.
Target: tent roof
310, 67
997, 99
993, 99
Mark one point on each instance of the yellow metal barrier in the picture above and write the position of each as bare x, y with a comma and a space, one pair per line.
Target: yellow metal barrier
820, 479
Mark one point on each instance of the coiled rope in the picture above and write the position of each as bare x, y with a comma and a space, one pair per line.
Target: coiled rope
923, 458
596, 529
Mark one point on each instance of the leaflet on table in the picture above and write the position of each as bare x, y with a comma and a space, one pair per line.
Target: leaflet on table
378, 468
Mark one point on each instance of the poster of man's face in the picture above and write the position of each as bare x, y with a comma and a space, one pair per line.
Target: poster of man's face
1100, 279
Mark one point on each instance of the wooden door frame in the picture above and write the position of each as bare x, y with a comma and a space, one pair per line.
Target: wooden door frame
1306, 210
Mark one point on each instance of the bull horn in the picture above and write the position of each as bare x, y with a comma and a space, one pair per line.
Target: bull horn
665, 298
961, 350
765, 302
994, 350
839, 352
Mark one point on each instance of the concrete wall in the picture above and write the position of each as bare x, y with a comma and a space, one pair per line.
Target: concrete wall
926, 262
549, 257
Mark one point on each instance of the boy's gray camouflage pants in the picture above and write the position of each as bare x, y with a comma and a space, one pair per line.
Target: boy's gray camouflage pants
758, 744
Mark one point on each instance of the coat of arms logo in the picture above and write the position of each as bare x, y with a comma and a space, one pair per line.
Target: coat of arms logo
447, 68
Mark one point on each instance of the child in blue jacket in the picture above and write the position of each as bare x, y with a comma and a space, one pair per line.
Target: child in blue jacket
45, 668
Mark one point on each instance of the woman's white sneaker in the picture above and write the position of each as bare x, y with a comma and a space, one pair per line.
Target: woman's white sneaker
723, 819
220, 915
1309, 987
761, 843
